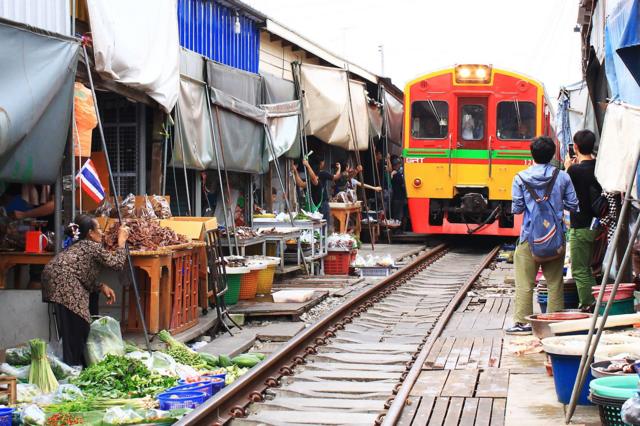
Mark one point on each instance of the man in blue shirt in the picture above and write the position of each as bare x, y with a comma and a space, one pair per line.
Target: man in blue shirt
563, 196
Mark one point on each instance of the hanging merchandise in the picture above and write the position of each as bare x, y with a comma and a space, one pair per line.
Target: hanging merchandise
575, 112
136, 44
619, 143
327, 110
36, 93
86, 121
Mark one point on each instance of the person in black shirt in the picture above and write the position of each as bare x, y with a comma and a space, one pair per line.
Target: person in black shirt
581, 169
320, 179
398, 191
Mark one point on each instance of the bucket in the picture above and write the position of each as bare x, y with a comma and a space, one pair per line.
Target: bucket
565, 370
619, 307
249, 282
233, 284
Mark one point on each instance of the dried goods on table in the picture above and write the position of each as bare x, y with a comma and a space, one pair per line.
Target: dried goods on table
241, 232
144, 235
105, 209
146, 211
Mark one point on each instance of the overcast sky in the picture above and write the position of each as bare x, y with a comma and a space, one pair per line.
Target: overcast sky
534, 37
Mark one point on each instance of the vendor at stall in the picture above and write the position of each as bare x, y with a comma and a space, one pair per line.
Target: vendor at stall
320, 180
71, 275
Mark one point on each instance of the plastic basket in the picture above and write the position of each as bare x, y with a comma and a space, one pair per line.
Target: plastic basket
179, 399
375, 271
233, 289
618, 387
265, 280
337, 263
204, 386
619, 307
249, 285
6, 415
609, 410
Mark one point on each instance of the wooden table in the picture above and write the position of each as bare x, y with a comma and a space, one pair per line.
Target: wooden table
342, 212
154, 266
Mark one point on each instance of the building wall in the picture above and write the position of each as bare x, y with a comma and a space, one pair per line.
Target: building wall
275, 58
23, 316
51, 15
208, 28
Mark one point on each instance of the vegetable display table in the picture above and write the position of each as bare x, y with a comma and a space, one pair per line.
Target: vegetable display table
281, 238
342, 212
320, 226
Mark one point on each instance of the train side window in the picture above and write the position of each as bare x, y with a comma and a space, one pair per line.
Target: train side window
429, 119
472, 122
516, 120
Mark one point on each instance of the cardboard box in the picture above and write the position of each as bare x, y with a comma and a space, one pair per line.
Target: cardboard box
195, 228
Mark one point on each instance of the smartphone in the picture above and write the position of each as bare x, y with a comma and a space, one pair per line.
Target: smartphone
572, 152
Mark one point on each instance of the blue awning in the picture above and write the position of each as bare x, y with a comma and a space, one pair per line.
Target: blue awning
629, 47
620, 21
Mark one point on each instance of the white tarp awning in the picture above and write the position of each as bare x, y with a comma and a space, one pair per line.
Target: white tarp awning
327, 110
136, 43
619, 145
282, 123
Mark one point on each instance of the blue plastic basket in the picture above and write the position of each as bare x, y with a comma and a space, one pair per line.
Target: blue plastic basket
206, 387
172, 400
6, 415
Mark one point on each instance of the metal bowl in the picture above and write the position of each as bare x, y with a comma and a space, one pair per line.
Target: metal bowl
540, 327
604, 364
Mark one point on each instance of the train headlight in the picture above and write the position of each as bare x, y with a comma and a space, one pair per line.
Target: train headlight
417, 182
473, 73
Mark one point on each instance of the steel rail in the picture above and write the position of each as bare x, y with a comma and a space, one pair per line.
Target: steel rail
394, 412
232, 401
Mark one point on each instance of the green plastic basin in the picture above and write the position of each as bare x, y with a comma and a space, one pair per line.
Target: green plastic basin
621, 387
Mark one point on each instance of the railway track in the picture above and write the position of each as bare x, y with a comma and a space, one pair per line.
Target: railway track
347, 367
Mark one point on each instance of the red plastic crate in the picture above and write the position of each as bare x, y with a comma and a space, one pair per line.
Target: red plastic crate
337, 263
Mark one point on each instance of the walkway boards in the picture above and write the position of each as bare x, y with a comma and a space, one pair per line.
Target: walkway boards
471, 377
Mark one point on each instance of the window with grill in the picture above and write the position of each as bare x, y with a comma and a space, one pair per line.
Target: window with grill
120, 123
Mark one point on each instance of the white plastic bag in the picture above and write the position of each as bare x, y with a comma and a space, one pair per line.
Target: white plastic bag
21, 373
121, 416
32, 415
104, 338
27, 392
66, 393
630, 411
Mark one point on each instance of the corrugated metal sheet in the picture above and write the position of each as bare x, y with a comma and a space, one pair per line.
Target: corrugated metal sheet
208, 28
50, 15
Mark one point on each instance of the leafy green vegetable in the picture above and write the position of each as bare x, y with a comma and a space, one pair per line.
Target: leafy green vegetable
120, 377
40, 373
181, 352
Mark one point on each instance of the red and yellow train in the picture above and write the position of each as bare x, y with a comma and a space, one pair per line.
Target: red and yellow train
467, 134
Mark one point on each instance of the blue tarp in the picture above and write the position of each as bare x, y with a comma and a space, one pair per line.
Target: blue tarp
622, 29
629, 48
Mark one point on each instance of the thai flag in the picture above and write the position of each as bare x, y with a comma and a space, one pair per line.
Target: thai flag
88, 179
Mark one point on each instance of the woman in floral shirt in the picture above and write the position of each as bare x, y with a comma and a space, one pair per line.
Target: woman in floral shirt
70, 277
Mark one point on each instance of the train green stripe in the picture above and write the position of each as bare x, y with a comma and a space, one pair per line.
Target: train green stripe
474, 154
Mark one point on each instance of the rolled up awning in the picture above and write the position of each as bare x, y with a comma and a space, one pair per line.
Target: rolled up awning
37, 70
335, 108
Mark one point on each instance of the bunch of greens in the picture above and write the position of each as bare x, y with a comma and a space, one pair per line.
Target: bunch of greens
120, 377
40, 373
181, 353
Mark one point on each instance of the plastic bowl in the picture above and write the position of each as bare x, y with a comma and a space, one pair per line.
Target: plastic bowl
622, 387
604, 364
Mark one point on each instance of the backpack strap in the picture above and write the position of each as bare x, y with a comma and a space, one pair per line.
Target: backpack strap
548, 188
552, 182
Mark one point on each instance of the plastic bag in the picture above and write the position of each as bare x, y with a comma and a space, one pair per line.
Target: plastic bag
26, 392
104, 338
161, 206
32, 415
18, 356
128, 207
630, 411
185, 371
145, 211
121, 416
67, 393
105, 209
161, 363
62, 370
21, 372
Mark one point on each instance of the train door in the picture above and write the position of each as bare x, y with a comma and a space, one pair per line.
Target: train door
472, 123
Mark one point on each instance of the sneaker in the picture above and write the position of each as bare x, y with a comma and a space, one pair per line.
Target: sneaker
519, 328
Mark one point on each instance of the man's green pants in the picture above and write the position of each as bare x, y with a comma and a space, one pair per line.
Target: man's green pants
581, 248
526, 271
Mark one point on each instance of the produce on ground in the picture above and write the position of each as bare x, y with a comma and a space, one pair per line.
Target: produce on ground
181, 353
144, 235
121, 377
40, 373
63, 419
